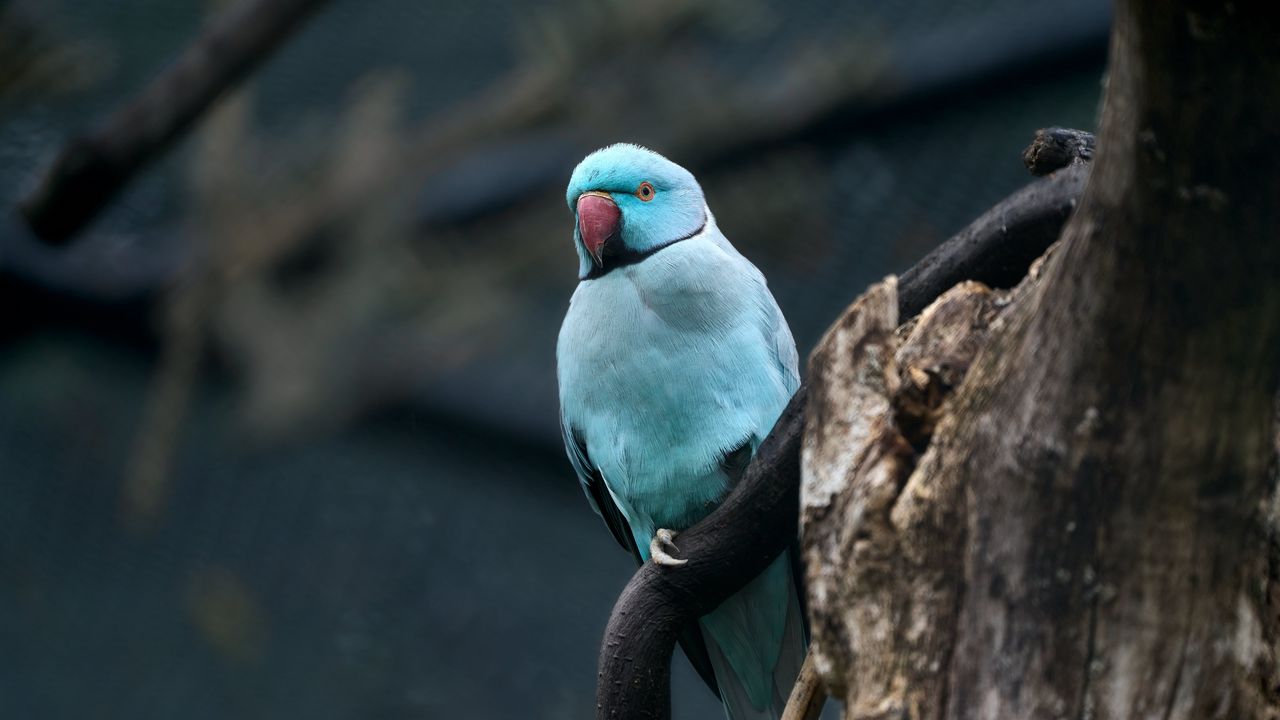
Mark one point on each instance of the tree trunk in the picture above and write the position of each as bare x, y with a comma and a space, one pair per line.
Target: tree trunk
1089, 532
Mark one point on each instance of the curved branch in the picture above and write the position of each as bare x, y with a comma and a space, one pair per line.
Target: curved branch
999, 246
758, 518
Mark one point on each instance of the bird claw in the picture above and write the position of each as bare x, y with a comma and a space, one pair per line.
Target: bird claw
660, 547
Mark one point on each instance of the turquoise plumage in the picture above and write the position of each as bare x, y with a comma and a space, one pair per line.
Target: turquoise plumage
674, 362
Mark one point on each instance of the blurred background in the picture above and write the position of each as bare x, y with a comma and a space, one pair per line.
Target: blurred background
278, 429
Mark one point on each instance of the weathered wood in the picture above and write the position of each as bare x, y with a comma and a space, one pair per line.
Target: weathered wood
1098, 487
879, 539
91, 169
758, 519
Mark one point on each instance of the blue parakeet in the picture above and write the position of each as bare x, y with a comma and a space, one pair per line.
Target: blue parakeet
674, 362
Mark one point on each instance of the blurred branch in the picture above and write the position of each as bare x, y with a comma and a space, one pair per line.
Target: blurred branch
495, 150
816, 100
758, 518
145, 491
91, 169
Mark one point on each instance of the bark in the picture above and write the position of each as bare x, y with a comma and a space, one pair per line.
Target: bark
879, 540
1089, 530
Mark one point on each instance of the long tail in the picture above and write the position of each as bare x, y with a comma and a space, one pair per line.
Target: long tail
756, 642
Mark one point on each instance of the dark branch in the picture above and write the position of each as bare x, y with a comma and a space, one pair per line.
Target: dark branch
758, 519
1055, 148
999, 246
89, 171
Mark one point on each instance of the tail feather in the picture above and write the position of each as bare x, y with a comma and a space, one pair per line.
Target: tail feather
756, 643
791, 653
737, 702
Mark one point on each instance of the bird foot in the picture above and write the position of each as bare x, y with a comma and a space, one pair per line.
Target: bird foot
661, 545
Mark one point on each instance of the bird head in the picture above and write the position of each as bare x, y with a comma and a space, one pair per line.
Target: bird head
629, 201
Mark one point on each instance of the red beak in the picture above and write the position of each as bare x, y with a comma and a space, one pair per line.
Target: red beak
598, 220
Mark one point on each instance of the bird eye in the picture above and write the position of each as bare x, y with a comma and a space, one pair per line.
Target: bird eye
645, 191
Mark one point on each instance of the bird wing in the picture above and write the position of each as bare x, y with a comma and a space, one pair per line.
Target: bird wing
597, 493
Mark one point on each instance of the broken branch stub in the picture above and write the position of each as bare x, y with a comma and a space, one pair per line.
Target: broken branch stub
1056, 148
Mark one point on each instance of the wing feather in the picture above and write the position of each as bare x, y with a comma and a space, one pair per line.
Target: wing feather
597, 494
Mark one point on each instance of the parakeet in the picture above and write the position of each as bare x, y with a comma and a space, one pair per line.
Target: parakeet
674, 362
